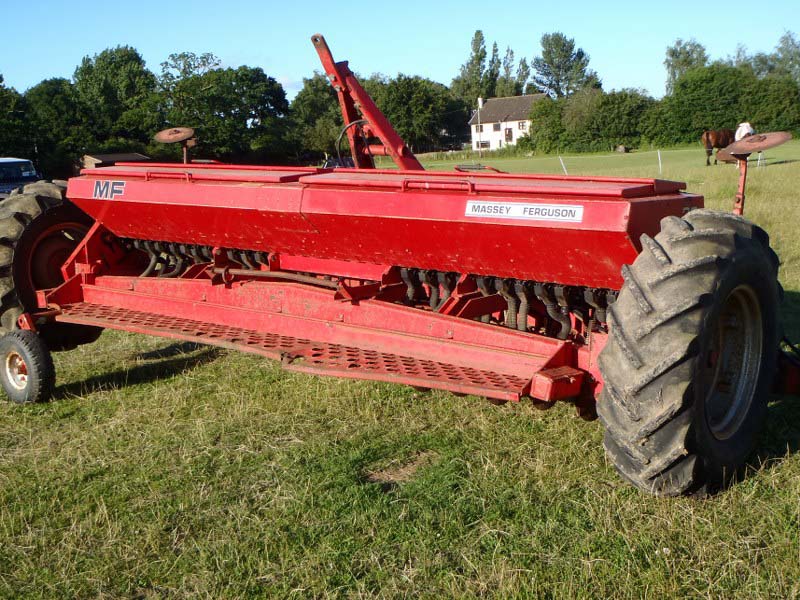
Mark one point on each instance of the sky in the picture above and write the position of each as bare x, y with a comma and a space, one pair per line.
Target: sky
625, 40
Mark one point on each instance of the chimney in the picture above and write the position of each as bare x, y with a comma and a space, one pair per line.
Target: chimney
480, 103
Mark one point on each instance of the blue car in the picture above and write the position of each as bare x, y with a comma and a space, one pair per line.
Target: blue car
15, 172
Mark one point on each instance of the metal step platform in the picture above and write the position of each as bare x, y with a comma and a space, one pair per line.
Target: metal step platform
308, 356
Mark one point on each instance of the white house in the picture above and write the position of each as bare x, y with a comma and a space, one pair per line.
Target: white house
501, 122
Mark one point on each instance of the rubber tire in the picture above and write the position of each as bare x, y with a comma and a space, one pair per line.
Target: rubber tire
656, 432
24, 213
41, 372
54, 190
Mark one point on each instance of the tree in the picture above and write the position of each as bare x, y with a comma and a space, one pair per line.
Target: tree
681, 57
468, 85
492, 74
711, 97
375, 85
578, 119
760, 64
239, 114
562, 69
14, 131
315, 116
507, 81
118, 98
739, 58
422, 111
787, 56
619, 118
523, 75
773, 104
784, 61
178, 67
547, 129
58, 126
720, 96
181, 65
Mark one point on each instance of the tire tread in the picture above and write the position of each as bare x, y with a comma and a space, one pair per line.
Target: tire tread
654, 330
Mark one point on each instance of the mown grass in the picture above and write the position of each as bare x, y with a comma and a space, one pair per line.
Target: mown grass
169, 470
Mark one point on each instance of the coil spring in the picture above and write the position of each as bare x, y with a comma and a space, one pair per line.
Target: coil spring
558, 300
170, 259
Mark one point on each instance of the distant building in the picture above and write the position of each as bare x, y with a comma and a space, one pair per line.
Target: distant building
92, 161
501, 122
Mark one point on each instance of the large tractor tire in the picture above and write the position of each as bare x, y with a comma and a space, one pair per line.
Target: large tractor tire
39, 229
692, 350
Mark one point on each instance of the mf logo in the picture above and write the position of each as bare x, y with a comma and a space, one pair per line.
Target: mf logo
108, 190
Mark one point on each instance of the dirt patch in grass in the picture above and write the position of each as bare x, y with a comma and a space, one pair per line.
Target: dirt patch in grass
399, 471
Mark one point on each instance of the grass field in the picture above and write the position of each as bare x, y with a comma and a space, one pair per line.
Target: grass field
166, 470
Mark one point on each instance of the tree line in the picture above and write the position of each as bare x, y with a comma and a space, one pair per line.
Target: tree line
761, 88
114, 103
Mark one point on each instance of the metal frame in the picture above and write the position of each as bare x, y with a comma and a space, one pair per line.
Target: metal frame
357, 329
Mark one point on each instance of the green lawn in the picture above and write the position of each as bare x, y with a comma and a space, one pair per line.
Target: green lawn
168, 470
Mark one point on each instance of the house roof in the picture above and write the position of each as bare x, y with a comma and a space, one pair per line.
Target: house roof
511, 108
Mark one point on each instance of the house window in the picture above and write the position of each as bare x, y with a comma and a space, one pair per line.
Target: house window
478, 128
509, 135
482, 144
522, 125
495, 127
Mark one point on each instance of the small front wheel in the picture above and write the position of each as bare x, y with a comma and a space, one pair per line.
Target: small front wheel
27, 373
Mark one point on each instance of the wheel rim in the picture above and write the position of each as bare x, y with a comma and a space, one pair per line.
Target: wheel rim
16, 370
733, 363
50, 251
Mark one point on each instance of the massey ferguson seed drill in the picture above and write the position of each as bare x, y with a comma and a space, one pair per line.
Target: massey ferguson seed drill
624, 297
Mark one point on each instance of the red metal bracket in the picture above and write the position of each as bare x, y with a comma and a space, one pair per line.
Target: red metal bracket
26, 321
557, 384
354, 293
738, 205
788, 380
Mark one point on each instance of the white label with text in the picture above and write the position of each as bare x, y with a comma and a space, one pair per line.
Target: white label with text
571, 213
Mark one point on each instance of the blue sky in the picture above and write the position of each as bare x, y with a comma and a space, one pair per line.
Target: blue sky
626, 40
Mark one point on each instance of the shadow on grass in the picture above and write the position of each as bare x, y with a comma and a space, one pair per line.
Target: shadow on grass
790, 313
784, 161
752, 165
165, 362
175, 349
781, 434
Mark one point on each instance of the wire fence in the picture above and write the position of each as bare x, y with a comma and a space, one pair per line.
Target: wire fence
653, 162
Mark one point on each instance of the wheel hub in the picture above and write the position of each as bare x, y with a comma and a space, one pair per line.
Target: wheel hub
16, 370
733, 363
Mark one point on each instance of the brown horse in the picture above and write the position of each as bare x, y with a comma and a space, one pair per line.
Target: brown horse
716, 138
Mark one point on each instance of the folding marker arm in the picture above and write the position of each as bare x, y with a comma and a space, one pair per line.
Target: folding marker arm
353, 99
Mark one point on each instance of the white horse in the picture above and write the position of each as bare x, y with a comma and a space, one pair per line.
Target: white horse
744, 130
